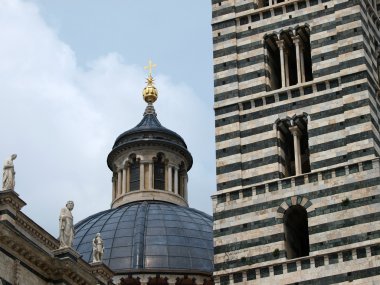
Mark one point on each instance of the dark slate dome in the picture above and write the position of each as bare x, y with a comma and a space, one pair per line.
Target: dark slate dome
149, 132
150, 235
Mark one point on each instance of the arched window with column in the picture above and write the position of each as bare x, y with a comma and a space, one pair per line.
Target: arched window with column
273, 61
296, 232
293, 145
134, 168
288, 57
305, 53
159, 172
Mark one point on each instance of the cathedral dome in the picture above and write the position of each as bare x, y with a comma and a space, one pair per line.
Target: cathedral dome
150, 236
150, 229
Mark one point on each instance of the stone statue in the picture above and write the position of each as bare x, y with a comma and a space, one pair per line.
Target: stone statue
97, 248
9, 173
66, 226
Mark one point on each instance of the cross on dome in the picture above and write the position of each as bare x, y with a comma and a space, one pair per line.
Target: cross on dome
150, 66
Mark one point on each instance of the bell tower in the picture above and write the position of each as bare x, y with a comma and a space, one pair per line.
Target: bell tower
297, 112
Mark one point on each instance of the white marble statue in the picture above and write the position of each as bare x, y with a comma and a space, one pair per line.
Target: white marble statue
66, 226
9, 173
97, 248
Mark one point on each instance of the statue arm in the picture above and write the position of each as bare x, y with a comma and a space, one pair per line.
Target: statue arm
62, 222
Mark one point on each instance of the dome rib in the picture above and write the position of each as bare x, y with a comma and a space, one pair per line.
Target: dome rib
111, 248
94, 222
139, 231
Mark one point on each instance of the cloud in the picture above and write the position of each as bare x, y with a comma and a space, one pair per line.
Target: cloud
62, 119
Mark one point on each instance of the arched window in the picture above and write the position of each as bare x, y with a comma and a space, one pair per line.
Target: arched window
296, 232
159, 172
304, 34
134, 168
294, 155
181, 180
288, 58
273, 62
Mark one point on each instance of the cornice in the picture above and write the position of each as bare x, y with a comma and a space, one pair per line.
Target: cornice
150, 142
60, 264
36, 231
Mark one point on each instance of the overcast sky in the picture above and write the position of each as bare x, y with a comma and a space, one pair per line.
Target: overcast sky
71, 76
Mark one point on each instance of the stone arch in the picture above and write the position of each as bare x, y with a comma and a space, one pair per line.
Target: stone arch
292, 201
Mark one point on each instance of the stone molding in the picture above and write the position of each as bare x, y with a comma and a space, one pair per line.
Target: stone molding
143, 195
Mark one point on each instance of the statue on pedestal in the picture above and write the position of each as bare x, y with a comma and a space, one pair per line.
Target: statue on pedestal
97, 248
9, 173
66, 226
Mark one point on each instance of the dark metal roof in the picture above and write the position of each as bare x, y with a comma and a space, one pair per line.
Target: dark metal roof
148, 132
149, 124
150, 235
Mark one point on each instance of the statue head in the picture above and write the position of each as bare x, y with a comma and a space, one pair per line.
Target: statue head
98, 235
70, 205
13, 156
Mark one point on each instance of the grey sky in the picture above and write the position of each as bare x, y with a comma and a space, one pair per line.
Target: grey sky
175, 33
70, 82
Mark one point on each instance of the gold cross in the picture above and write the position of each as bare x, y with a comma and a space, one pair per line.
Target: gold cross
150, 66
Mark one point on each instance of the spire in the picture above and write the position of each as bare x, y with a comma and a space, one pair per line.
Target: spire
150, 92
149, 110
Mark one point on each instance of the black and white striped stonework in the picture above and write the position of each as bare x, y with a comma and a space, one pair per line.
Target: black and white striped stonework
340, 110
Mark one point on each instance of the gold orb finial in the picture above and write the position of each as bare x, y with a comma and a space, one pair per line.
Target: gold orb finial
150, 92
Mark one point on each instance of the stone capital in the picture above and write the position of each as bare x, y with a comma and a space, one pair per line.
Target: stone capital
296, 39
295, 131
280, 44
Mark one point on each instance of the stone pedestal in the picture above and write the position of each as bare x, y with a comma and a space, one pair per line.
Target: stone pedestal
10, 204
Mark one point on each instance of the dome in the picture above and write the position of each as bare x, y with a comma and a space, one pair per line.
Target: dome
150, 236
149, 132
